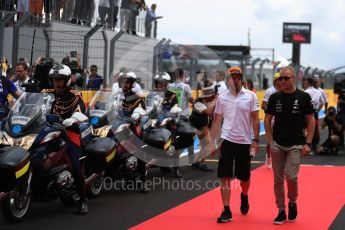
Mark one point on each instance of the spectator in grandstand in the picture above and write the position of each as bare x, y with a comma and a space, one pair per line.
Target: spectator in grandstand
36, 8
125, 14
23, 7
7, 5
57, 5
318, 102
273, 89
104, 11
94, 81
89, 6
219, 84
116, 11
335, 132
68, 8
150, 17
136, 6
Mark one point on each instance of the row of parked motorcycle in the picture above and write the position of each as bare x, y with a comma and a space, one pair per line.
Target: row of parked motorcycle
34, 166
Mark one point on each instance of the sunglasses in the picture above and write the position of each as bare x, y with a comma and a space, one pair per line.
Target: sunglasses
285, 78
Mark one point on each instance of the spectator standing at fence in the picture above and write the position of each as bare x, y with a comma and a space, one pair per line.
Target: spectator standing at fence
249, 85
273, 89
22, 72
239, 111
317, 84
125, 14
5, 67
219, 84
317, 101
291, 109
150, 17
104, 11
94, 80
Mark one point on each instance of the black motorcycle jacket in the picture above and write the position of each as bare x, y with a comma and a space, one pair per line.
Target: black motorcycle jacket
170, 100
131, 102
66, 103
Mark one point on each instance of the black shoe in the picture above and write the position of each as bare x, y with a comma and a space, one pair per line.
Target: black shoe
226, 216
196, 165
244, 204
177, 173
205, 168
82, 208
281, 218
292, 211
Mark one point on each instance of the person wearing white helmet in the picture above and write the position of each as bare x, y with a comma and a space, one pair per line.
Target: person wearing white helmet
127, 82
69, 106
162, 81
131, 102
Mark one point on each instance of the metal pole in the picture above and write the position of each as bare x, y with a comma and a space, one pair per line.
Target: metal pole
254, 78
3, 23
32, 46
86, 44
112, 51
46, 36
260, 72
15, 45
314, 72
105, 63
155, 29
156, 50
161, 51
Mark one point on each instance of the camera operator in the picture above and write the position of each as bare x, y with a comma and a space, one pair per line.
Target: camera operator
335, 132
41, 73
341, 106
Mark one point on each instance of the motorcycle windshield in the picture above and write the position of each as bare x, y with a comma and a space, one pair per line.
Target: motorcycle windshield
104, 107
182, 95
28, 113
154, 100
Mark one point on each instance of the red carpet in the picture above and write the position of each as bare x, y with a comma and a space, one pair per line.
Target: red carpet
321, 196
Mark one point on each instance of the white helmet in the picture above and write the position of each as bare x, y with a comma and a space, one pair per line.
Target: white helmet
128, 74
61, 71
163, 77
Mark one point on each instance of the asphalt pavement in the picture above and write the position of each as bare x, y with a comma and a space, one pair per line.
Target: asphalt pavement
122, 207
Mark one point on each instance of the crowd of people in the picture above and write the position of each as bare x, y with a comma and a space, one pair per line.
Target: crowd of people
82, 12
229, 103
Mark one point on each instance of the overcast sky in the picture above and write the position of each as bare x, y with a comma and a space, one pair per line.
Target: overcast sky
226, 22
